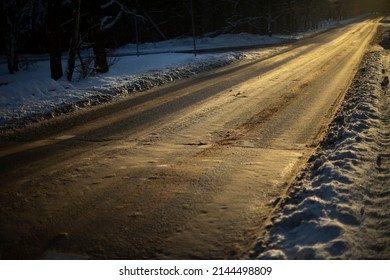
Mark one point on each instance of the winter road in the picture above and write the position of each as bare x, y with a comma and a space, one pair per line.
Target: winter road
189, 170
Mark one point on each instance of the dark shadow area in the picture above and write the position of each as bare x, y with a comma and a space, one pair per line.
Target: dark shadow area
385, 42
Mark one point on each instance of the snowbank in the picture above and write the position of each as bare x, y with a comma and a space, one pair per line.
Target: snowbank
204, 43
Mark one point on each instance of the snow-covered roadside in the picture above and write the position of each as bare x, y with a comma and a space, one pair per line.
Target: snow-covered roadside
339, 206
229, 40
31, 95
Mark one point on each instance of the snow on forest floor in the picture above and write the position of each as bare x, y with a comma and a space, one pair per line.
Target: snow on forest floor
339, 206
31, 95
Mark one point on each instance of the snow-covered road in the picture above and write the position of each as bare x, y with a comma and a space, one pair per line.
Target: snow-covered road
191, 169
339, 206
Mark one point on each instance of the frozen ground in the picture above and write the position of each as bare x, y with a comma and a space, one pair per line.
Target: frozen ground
32, 95
339, 207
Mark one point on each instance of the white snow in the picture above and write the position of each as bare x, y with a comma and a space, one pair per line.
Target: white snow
205, 43
31, 94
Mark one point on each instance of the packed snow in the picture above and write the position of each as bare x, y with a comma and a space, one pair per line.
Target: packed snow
31, 95
339, 207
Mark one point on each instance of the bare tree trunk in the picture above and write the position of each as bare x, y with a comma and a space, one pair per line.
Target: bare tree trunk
10, 22
307, 24
290, 17
55, 39
269, 19
12, 53
99, 37
99, 51
74, 41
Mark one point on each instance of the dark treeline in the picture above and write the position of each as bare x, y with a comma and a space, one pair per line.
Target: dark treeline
46, 26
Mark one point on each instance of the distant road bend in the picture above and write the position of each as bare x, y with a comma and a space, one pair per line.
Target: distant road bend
189, 170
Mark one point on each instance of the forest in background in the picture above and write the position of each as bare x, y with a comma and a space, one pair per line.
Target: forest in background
44, 26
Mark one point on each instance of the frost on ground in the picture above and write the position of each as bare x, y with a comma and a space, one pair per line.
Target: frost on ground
339, 206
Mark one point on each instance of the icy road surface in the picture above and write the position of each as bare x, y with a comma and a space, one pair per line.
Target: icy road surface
192, 169
339, 206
